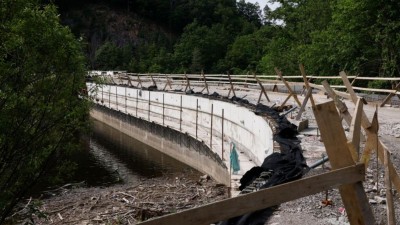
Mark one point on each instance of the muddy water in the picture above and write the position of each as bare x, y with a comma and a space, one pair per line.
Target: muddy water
124, 159
109, 157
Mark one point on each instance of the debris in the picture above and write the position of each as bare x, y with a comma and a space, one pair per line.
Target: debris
128, 205
380, 200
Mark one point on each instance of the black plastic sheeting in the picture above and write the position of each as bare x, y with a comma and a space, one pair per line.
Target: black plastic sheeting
284, 166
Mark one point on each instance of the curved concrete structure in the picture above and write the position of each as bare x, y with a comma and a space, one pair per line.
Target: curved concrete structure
251, 134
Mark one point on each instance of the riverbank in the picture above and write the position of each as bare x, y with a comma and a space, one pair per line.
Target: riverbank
122, 204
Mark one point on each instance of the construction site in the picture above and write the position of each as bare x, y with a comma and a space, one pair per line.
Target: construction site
285, 149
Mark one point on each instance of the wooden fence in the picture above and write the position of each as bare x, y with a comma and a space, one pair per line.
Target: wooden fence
269, 82
347, 159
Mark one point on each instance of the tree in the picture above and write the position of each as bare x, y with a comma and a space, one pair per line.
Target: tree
42, 106
251, 12
246, 51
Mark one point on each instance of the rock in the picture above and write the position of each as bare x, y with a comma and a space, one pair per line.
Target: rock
382, 192
380, 200
205, 177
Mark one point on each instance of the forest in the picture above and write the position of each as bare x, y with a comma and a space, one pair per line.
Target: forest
221, 36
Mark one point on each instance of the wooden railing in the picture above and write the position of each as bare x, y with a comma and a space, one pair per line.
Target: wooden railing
270, 82
344, 152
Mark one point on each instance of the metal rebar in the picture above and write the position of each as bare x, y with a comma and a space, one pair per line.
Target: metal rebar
319, 162
163, 108
197, 115
289, 111
180, 116
137, 101
211, 130
149, 108
222, 135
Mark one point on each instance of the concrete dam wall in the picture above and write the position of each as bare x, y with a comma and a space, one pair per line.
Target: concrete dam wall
195, 130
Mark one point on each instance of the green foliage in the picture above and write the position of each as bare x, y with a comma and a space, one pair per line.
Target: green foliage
380, 84
41, 78
111, 57
359, 36
201, 46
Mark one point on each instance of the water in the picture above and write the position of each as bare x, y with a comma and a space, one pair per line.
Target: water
109, 157
125, 159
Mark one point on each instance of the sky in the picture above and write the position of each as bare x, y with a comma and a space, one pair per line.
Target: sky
262, 4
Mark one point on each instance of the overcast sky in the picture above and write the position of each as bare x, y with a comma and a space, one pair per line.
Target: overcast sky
262, 4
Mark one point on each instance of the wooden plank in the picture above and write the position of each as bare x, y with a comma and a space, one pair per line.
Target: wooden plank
262, 90
354, 97
205, 82
167, 83
187, 83
390, 95
139, 81
372, 139
381, 147
303, 106
353, 195
243, 204
306, 83
288, 86
355, 128
389, 197
339, 104
232, 88
152, 79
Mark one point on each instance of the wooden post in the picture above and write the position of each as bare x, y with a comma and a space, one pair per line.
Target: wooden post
355, 130
222, 135
262, 90
291, 92
205, 83
303, 106
187, 83
167, 83
152, 79
102, 94
354, 97
211, 126
126, 101
396, 89
139, 81
339, 104
232, 88
129, 81
306, 83
109, 96
372, 140
395, 178
353, 195
391, 218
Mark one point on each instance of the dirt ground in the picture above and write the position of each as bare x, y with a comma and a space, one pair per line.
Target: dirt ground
131, 204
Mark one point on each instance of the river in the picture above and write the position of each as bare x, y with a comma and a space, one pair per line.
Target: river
109, 157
